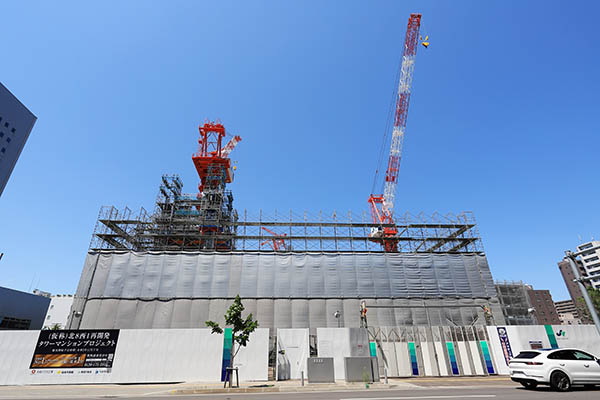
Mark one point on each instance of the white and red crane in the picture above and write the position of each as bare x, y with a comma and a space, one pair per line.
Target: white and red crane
382, 206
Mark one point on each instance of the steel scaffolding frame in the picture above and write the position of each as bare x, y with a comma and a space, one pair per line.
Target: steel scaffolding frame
208, 222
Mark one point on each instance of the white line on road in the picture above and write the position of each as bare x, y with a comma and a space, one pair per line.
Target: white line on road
471, 396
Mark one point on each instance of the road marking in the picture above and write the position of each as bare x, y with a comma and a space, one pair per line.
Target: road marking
471, 396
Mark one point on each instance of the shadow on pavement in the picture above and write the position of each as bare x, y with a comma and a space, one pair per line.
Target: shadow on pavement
549, 389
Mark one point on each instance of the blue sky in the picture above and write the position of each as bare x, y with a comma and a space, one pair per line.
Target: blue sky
503, 119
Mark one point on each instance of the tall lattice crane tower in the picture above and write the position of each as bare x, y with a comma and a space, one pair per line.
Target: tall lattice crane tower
382, 206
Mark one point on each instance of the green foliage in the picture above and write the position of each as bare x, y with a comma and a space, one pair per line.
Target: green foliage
240, 328
215, 327
595, 297
55, 327
366, 377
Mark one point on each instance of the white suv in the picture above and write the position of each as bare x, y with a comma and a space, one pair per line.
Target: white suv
559, 368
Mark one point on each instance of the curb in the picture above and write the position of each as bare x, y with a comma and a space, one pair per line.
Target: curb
225, 390
281, 389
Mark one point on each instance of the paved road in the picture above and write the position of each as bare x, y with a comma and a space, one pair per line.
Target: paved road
499, 393
483, 392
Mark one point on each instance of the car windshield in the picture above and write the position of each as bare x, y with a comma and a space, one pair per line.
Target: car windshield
528, 354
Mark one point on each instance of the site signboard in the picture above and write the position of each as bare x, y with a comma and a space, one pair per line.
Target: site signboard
87, 348
505, 344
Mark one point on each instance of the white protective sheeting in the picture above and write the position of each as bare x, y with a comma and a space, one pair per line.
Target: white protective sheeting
292, 352
342, 342
182, 290
141, 356
147, 275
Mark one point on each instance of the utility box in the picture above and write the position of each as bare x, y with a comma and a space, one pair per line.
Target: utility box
320, 370
361, 369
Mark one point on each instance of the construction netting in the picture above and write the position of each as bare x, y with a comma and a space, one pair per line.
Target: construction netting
183, 290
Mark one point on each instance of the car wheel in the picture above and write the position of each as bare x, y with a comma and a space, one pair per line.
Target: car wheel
560, 381
529, 384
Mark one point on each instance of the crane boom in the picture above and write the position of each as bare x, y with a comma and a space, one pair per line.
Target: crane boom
382, 206
404, 86
230, 146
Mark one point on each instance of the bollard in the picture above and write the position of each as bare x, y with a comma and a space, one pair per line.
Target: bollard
302, 375
385, 375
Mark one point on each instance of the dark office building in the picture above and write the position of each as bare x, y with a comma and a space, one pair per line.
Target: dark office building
22, 311
16, 122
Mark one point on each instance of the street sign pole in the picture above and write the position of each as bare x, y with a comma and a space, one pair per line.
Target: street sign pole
570, 256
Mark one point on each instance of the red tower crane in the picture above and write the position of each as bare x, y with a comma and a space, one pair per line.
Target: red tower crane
382, 206
215, 205
211, 154
277, 243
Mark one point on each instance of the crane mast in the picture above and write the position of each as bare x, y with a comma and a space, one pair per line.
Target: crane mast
382, 206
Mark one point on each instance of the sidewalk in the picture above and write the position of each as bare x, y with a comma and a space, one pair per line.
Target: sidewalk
291, 386
112, 390
296, 385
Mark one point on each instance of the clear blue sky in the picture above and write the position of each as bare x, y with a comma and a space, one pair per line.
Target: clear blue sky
503, 119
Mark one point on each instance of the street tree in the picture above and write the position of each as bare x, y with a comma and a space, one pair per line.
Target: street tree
241, 328
582, 305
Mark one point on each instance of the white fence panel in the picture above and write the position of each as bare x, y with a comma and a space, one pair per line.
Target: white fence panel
292, 352
253, 360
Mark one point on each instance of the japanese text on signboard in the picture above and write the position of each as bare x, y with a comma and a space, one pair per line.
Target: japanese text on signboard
75, 349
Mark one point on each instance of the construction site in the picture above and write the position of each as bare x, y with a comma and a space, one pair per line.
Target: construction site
183, 262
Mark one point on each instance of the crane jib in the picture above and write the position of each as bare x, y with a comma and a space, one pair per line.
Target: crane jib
382, 206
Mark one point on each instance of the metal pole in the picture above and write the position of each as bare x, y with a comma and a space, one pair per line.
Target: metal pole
586, 296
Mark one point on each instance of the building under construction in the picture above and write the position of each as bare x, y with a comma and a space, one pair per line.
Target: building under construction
184, 262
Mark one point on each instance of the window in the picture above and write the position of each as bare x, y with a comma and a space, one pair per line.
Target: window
585, 246
7, 140
562, 355
13, 130
6, 124
593, 266
1, 134
48, 317
3, 150
592, 259
528, 354
51, 306
14, 323
580, 355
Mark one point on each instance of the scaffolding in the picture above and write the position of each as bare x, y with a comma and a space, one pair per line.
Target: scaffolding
515, 302
208, 222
